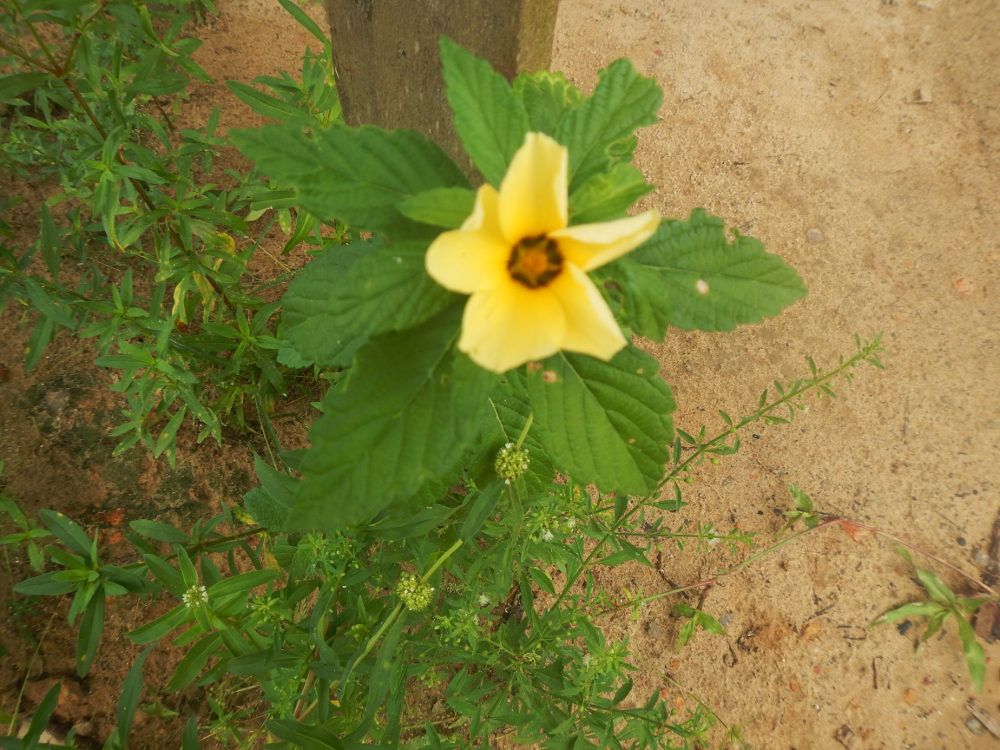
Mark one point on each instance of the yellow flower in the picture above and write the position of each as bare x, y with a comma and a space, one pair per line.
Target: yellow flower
525, 269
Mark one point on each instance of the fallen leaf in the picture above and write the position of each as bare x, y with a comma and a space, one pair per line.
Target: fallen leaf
851, 529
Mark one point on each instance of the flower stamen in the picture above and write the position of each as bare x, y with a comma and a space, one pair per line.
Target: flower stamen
535, 261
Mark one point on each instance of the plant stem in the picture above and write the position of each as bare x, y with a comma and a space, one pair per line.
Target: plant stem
724, 571
803, 387
864, 353
386, 624
524, 430
845, 523
910, 545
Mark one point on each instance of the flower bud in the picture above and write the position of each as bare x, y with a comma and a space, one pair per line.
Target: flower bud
414, 594
511, 462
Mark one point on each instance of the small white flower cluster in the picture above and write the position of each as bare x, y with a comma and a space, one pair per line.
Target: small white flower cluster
511, 462
195, 596
414, 594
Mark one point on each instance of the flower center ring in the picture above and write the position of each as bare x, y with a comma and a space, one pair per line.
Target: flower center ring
535, 261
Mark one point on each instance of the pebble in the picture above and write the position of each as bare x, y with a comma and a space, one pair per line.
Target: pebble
974, 725
980, 558
846, 737
815, 235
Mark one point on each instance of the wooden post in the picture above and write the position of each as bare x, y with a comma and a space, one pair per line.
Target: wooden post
388, 62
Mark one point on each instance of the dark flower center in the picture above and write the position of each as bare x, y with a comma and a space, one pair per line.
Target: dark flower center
535, 261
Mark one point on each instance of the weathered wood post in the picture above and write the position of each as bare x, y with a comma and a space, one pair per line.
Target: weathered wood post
387, 59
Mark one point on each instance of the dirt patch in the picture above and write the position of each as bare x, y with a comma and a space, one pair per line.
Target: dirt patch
857, 140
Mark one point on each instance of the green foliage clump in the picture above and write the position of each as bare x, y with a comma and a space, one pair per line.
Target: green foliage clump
143, 244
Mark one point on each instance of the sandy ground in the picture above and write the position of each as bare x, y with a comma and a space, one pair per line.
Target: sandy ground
857, 140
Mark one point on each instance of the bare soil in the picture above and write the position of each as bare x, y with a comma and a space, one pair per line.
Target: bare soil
860, 142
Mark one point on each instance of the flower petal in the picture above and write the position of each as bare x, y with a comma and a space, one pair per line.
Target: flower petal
591, 327
485, 213
509, 325
533, 194
590, 246
474, 257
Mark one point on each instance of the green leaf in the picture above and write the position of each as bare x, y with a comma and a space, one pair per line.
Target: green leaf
160, 532
607, 195
48, 241
913, 609
802, 501
619, 557
509, 411
934, 586
546, 97
971, 606
89, 637
305, 21
441, 207
347, 295
305, 736
263, 104
41, 337
604, 422
542, 580
489, 117
400, 420
46, 305
356, 175
709, 624
193, 662
156, 629
165, 441
904, 553
189, 573
697, 619
481, 508
242, 583
691, 275
685, 634
44, 585
40, 719
305, 325
599, 132
975, 657
269, 504
646, 314
622, 692
165, 574
68, 532
128, 700
189, 740
15, 84
935, 623
390, 527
